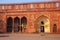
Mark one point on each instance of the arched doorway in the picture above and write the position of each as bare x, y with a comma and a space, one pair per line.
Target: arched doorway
9, 24
43, 24
23, 23
16, 24
54, 28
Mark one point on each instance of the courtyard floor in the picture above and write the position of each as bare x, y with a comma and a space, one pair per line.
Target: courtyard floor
22, 36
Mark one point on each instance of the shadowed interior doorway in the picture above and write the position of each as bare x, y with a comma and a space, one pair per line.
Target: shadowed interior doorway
9, 24
16, 24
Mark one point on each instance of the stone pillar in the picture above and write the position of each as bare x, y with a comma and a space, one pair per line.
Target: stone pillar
13, 26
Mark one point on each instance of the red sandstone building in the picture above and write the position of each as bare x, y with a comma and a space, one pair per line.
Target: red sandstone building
30, 17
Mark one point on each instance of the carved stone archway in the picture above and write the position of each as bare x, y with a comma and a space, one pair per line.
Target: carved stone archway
43, 24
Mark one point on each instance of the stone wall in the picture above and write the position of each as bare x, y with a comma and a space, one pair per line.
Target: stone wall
32, 11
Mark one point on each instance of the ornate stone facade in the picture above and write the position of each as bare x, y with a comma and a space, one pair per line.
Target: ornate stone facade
30, 17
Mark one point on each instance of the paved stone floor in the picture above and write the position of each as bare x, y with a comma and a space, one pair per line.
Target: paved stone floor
20, 36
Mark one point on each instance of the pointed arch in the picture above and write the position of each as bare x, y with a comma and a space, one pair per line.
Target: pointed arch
43, 24
23, 23
23, 20
55, 27
16, 20
9, 24
16, 24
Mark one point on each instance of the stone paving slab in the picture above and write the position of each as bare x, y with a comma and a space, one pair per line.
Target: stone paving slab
4, 35
31, 37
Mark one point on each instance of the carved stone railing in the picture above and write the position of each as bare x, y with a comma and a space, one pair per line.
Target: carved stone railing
41, 6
